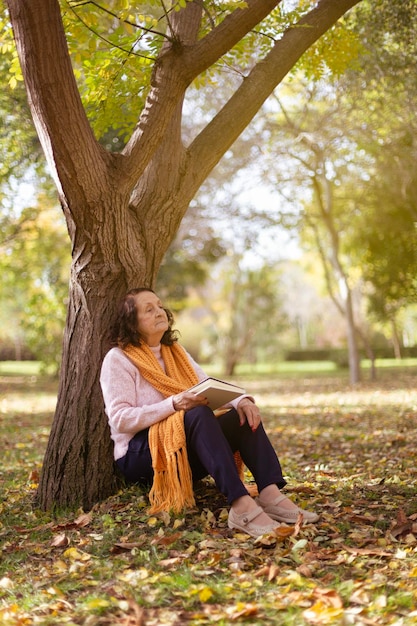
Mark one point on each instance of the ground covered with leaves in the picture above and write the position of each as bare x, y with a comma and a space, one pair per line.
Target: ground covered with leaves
349, 454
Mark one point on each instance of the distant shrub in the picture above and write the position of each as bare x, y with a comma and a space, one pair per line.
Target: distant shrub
340, 355
10, 352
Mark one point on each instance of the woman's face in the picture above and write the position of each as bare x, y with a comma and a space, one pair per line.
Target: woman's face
152, 319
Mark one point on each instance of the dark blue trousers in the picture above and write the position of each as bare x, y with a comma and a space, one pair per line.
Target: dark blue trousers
211, 443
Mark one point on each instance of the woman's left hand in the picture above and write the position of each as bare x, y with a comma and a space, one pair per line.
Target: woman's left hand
249, 412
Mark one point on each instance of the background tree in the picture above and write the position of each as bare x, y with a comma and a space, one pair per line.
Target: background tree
244, 306
385, 91
308, 143
34, 266
123, 209
188, 261
314, 321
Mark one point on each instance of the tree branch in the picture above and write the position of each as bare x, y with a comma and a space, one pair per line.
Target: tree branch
60, 120
226, 35
217, 137
177, 66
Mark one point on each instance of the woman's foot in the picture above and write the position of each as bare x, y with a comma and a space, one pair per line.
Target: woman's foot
281, 508
247, 516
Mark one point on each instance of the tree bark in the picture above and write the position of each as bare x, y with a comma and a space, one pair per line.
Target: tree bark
330, 256
395, 338
78, 464
121, 213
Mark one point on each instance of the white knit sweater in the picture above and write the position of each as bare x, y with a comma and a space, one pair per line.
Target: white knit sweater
131, 402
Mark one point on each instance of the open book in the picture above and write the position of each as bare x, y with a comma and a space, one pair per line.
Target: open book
218, 392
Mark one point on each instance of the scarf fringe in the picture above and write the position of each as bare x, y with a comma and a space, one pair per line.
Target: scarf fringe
172, 487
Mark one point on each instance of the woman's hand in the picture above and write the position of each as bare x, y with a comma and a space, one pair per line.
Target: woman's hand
248, 411
188, 400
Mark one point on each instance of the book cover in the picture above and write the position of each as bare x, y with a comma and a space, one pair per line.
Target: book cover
218, 392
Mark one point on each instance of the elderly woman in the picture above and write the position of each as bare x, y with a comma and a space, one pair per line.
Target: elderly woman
167, 436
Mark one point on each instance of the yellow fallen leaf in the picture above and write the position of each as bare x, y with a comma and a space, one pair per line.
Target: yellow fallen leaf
267, 540
320, 613
60, 566
76, 555
241, 610
7, 612
205, 594
54, 591
133, 576
97, 603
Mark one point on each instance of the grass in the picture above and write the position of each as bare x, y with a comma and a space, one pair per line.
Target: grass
348, 453
314, 369
23, 368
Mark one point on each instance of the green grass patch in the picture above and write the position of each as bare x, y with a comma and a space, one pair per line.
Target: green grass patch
20, 368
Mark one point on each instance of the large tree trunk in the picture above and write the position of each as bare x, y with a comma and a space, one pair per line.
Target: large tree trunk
78, 464
123, 210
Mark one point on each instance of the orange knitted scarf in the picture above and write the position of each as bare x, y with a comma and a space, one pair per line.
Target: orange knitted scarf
172, 487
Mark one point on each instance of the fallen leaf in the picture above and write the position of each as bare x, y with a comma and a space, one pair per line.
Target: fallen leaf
273, 572
366, 551
34, 476
284, 531
320, 613
6, 583
60, 541
125, 545
84, 519
170, 562
241, 610
76, 555
205, 594
166, 540
306, 570
329, 597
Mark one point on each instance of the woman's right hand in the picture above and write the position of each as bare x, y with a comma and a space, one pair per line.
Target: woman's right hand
187, 400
